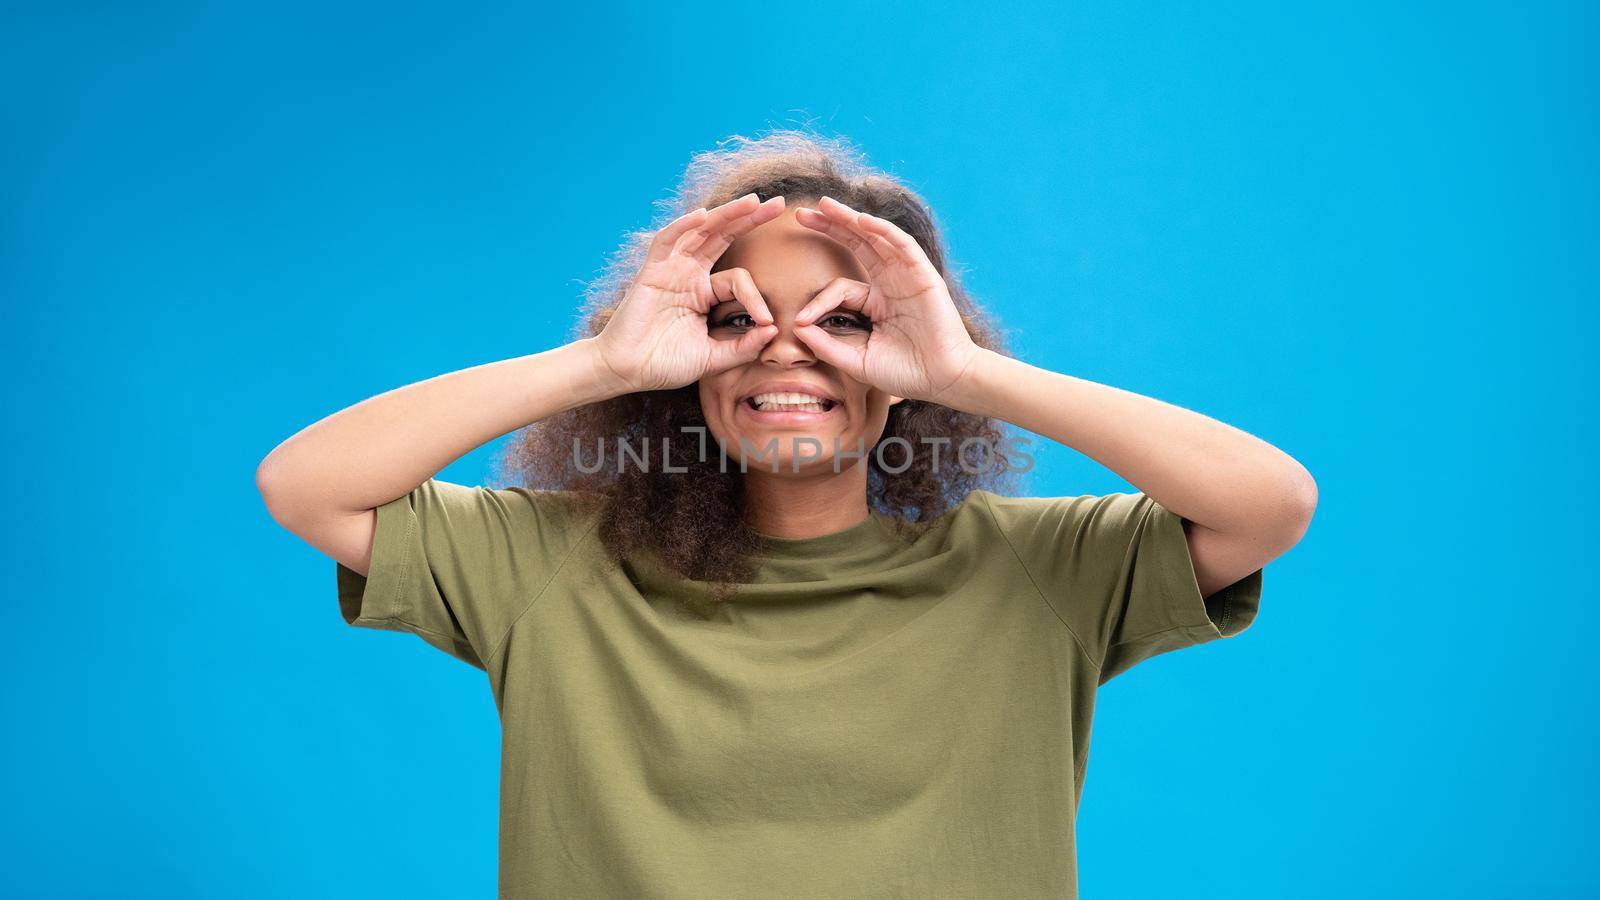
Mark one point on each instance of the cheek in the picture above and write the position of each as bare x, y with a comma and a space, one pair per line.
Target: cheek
871, 415
714, 399
873, 405
878, 421
715, 393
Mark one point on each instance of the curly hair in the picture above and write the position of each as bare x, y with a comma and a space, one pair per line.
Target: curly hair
694, 522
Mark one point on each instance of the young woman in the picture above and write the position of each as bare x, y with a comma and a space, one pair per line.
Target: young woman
756, 621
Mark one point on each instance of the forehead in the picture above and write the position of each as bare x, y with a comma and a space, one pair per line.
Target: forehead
783, 255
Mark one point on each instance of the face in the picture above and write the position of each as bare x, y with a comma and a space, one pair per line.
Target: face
787, 394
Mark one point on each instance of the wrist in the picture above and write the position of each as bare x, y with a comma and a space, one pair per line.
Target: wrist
973, 391
604, 382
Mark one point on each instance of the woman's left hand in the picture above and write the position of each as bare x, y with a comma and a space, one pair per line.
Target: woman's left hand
918, 347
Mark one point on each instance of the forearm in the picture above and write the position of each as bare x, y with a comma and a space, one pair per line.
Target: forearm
1204, 470
383, 447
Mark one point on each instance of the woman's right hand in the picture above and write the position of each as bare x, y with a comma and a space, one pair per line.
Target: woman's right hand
657, 337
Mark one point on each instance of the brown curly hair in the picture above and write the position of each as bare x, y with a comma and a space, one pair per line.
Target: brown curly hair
694, 523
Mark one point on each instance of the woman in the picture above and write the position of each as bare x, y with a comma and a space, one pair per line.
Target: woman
739, 652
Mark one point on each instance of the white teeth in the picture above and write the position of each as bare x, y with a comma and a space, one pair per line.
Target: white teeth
787, 398
783, 401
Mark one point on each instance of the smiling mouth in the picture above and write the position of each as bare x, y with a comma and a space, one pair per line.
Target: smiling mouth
788, 402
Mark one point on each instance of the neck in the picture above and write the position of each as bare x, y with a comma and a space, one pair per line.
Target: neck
798, 506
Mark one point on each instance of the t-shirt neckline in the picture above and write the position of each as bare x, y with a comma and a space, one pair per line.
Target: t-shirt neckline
869, 534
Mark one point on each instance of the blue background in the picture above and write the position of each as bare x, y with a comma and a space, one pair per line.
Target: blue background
1364, 232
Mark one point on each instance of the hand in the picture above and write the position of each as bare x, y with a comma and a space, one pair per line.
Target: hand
657, 336
918, 347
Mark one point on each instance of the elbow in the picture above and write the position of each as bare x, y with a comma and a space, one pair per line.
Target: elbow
1298, 504
269, 483
1275, 511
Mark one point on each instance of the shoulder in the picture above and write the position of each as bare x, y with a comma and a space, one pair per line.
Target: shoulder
552, 514
572, 504
988, 513
1051, 521
1010, 510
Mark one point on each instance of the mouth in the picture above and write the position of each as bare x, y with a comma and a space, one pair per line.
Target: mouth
795, 404
788, 401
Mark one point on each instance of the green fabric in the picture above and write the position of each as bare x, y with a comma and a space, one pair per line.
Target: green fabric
870, 718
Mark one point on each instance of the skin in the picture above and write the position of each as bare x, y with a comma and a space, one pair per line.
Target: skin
1245, 502
786, 265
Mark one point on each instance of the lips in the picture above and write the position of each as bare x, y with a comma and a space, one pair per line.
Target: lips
777, 397
784, 416
788, 401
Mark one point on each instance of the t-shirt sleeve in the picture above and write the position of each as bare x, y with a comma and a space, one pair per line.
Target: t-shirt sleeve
1116, 569
455, 565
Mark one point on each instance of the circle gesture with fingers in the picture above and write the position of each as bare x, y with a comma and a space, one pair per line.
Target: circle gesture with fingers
656, 338
918, 346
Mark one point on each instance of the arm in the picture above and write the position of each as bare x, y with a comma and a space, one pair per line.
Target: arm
1246, 501
325, 482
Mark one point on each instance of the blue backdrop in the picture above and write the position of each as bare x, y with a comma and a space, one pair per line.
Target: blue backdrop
1362, 231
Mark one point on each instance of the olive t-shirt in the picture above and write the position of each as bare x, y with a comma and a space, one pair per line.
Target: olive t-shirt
871, 717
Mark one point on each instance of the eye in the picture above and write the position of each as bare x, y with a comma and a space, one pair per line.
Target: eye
843, 320
735, 320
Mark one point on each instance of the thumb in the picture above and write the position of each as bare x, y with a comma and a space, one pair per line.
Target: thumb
844, 357
727, 354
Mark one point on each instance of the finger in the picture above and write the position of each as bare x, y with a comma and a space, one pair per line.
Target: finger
856, 220
858, 242
661, 245
733, 209
727, 354
854, 241
715, 221
718, 241
846, 292
847, 358
905, 246
737, 284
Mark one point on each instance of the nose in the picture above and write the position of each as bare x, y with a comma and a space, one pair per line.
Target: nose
787, 350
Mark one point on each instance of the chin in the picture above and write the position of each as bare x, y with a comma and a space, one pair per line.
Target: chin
812, 448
